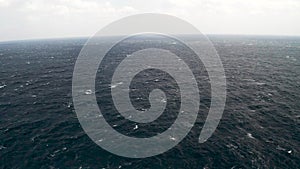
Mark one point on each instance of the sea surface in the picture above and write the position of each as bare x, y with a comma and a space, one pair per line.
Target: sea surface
260, 127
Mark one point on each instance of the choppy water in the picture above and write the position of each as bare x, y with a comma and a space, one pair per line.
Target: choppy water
259, 129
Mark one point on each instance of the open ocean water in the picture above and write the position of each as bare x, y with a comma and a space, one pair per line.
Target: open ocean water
260, 127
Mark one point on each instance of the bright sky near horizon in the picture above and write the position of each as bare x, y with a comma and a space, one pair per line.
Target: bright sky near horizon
33, 19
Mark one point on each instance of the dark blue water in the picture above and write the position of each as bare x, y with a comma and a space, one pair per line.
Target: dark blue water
259, 129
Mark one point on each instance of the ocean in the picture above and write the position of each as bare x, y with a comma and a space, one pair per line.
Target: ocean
260, 127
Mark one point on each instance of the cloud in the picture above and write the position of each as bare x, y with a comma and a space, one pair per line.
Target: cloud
4, 3
241, 16
75, 8
59, 18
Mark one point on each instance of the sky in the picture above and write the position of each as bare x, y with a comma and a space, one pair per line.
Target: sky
35, 19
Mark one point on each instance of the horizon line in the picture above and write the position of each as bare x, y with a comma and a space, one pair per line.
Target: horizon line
207, 34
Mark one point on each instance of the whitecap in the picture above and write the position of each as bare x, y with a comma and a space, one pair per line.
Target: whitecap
280, 148
232, 146
2, 86
2, 147
260, 83
56, 151
164, 100
113, 86
33, 139
172, 138
250, 135
88, 92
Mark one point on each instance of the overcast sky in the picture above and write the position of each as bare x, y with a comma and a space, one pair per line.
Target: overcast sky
31, 19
